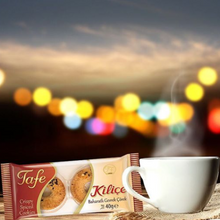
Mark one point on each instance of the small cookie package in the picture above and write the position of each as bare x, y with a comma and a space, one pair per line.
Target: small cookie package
73, 187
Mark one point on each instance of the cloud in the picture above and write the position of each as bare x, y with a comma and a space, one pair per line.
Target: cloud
87, 30
21, 24
139, 63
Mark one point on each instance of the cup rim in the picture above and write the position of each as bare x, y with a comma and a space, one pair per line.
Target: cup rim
181, 158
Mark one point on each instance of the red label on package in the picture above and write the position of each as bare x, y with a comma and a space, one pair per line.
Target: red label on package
30, 181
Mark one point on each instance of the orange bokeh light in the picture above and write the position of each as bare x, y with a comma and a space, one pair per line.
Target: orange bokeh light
106, 114
54, 107
186, 111
124, 118
118, 103
22, 96
142, 126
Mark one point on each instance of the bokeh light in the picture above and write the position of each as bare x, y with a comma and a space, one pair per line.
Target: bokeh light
207, 76
194, 92
88, 126
42, 96
120, 131
214, 120
131, 102
68, 105
118, 103
142, 126
85, 109
124, 118
178, 128
186, 111
106, 114
146, 110
108, 128
161, 110
54, 107
72, 121
182, 112
97, 126
22, 96
2, 77
173, 118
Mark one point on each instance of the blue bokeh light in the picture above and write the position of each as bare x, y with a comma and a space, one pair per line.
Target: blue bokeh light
120, 131
146, 110
72, 121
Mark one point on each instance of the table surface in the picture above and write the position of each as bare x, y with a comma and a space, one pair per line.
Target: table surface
90, 216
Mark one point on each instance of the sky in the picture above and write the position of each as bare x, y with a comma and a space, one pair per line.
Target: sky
102, 48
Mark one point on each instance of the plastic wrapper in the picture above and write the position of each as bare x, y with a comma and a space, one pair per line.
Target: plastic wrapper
73, 187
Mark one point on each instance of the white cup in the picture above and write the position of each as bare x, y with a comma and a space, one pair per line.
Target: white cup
176, 184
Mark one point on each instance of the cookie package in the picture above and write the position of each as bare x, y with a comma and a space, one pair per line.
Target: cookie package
72, 187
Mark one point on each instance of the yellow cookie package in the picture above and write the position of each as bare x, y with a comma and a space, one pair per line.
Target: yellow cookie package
72, 187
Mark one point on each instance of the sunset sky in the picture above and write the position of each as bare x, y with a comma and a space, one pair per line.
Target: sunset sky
102, 48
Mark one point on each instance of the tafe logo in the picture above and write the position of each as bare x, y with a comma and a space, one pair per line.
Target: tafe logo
26, 178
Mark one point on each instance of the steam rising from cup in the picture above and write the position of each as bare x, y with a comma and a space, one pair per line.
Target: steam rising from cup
187, 143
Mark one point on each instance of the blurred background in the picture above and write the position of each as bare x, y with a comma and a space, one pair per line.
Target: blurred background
93, 79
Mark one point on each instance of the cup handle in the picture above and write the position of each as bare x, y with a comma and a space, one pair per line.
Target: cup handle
125, 180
